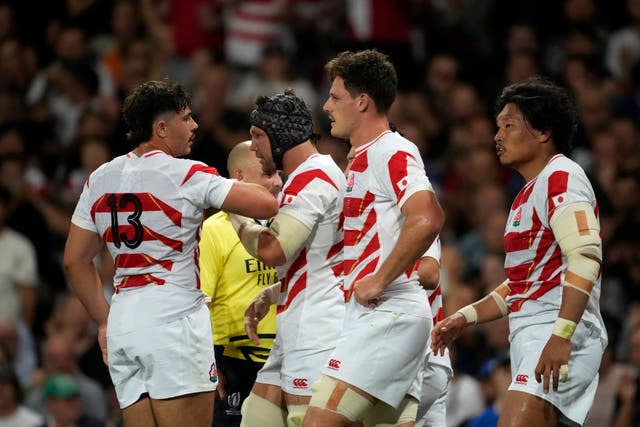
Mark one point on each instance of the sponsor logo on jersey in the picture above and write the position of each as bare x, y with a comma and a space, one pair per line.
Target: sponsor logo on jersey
300, 383
522, 379
517, 217
334, 364
213, 373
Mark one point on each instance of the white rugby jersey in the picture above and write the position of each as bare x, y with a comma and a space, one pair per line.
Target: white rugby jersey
435, 302
311, 302
149, 212
534, 263
384, 174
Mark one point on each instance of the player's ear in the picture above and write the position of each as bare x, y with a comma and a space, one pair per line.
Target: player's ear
160, 128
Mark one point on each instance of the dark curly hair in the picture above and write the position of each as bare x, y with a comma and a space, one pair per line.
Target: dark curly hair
546, 107
147, 102
366, 71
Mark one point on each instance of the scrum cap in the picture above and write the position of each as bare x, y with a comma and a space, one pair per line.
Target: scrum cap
285, 119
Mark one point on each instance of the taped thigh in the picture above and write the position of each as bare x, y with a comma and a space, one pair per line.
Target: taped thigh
336, 396
384, 415
257, 411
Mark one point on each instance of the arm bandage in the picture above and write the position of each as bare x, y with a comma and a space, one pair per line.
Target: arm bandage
577, 232
248, 232
290, 232
500, 295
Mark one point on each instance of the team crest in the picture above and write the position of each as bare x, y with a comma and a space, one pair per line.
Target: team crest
213, 373
517, 217
350, 181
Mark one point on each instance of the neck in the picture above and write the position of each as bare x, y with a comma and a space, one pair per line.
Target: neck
296, 155
370, 128
533, 168
149, 146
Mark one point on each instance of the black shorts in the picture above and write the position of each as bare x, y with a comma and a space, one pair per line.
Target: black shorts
240, 374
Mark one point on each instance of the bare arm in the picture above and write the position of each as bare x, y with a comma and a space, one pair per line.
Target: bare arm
489, 308
429, 273
81, 247
250, 200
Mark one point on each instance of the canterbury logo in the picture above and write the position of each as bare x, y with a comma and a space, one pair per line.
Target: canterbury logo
522, 379
334, 364
300, 383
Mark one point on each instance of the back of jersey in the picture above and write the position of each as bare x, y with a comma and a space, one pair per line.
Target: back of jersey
148, 211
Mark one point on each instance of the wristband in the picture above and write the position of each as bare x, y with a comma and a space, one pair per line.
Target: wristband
470, 314
564, 328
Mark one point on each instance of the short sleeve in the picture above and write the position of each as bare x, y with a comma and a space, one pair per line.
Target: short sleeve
204, 186
401, 174
563, 189
82, 213
309, 196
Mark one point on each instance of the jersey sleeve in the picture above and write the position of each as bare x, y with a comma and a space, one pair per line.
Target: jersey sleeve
309, 196
564, 188
212, 256
204, 186
401, 174
435, 250
82, 214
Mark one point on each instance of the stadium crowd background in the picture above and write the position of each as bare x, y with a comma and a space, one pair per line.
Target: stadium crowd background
66, 66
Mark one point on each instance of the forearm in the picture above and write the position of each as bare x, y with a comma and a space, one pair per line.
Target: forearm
491, 307
416, 235
85, 281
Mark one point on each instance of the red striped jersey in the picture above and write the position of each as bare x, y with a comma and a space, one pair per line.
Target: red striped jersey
384, 174
534, 263
149, 211
435, 301
311, 302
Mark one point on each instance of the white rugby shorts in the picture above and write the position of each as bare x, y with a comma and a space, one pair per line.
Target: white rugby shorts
381, 352
165, 361
574, 397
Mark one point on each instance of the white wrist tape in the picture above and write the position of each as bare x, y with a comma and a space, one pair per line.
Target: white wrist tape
470, 314
564, 328
272, 292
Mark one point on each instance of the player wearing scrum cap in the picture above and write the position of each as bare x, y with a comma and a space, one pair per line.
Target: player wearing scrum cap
304, 241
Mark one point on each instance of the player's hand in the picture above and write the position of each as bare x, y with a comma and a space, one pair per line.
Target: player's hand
367, 291
102, 340
553, 365
256, 311
221, 387
445, 331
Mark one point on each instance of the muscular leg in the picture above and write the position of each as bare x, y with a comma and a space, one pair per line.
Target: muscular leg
330, 396
171, 412
140, 414
265, 406
524, 410
297, 408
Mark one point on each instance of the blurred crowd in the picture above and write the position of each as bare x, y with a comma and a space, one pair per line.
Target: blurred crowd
66, 66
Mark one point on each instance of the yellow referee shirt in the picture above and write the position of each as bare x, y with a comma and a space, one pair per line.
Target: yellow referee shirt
232, 278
